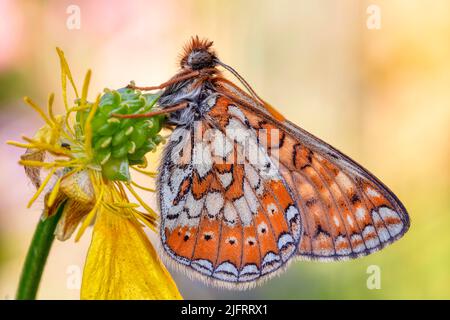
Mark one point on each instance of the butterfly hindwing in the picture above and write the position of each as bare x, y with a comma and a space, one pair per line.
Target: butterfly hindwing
224, 215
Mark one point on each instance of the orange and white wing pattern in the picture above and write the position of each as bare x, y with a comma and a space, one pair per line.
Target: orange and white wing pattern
242, 190
346, 212
227, 218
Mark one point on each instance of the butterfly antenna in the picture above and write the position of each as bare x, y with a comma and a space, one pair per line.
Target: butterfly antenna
266, 105
242, 80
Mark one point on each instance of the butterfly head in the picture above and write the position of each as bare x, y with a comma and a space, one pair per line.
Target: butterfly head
198, 54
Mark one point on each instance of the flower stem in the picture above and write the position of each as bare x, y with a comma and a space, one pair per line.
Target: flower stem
37, 256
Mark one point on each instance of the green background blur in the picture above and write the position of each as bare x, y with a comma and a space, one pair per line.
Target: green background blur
380, 95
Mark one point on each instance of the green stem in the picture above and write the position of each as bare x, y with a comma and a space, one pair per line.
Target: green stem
37, 256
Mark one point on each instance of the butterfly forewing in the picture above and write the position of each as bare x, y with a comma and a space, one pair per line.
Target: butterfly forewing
346, 212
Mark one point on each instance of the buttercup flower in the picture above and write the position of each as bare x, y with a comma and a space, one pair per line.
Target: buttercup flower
85, 156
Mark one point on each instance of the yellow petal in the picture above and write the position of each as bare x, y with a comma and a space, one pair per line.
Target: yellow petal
122, 263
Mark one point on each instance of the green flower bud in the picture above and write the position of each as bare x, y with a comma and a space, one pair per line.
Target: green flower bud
121, 142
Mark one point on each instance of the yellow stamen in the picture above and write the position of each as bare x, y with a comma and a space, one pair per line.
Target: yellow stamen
88, 128
90, 216
111, 208
73, 109
120, 197
51, 98
142, 187
35, 163
54, 193
38, 110
139, 216
147, 173
20, 144
125, 205
144, 164
65, 73
78, 108
41, 188
48, 147
69, 163
84, 91
141, 202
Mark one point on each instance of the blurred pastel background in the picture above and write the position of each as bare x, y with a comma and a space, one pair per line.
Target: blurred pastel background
380, 95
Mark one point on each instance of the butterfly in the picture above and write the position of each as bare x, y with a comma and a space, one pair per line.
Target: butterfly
243, 191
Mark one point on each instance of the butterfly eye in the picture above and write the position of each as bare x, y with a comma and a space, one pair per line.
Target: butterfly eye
200, 59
